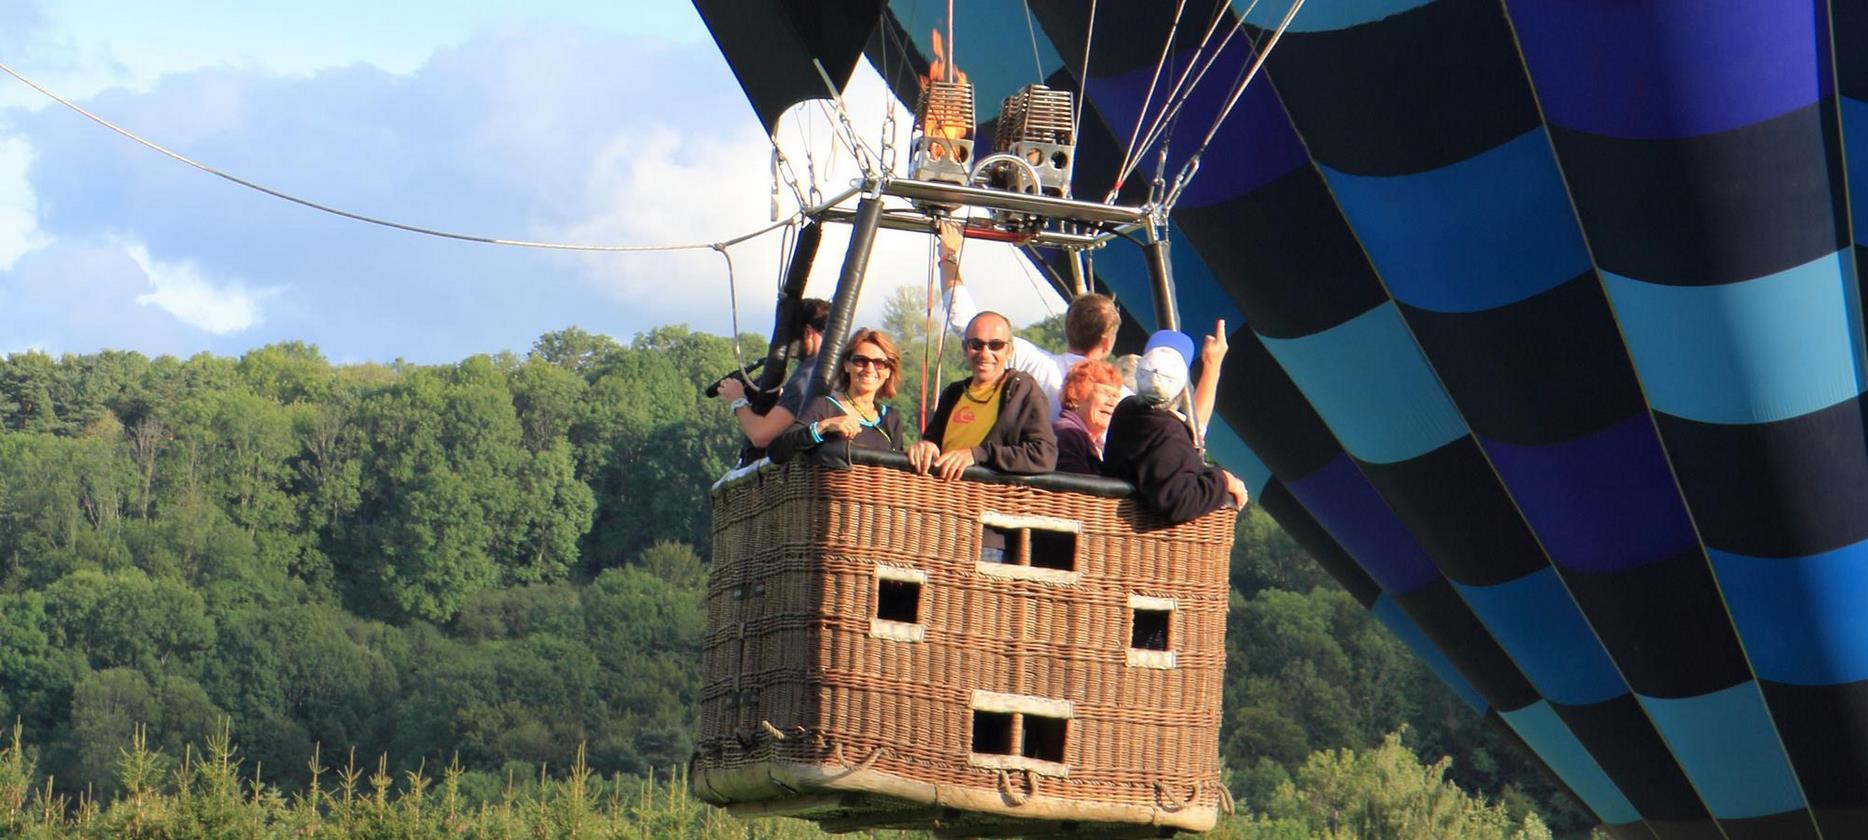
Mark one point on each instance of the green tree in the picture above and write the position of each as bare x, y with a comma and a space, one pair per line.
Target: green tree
106, 708
1384, 793
127, 619
288, 372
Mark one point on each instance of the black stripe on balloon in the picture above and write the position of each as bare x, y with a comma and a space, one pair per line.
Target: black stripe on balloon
1285, 256
1848, 20
1546, 369
1264, 407
1623, 741
1495, 723
1296, 521
1430, 86
1452, 503
1825, 733
1099, 156
1665, 624
1626, 831
1712, 209
1784, 826
1686, 829
1861, 265
1129, 33
890, 46
1130, 337
1445, 618
1788, 488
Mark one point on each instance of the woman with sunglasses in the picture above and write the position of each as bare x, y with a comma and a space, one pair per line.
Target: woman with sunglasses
853, 412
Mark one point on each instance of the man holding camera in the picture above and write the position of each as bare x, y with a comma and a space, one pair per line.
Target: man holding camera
758, 428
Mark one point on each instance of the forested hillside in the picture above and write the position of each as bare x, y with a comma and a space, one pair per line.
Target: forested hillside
491, 562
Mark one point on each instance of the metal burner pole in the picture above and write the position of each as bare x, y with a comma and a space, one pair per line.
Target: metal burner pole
849, 287
1161, 271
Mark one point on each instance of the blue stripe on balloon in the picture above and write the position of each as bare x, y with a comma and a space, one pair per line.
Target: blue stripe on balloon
1537, 622
1347, 506
1855, 146
1727, 745
1390, 615
1754, 351
1197, 293
1323, 17
1200, 297
1235, 457
1372, 386
1553, 742
1662, 69
1260, 144
1487, 231
995, 50
1800, 618
1125, 274
1606, 502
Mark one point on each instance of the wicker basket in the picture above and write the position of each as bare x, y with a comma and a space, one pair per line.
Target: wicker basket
864, 667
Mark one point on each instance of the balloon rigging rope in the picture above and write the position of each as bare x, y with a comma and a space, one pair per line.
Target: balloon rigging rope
1192, 166
1083, 77
1172, 111
1037, 65
720, 246
1141, 115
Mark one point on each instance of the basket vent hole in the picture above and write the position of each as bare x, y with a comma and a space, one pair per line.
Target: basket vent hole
898, 600
1044, 738
1054, 549
1151, 629
999, 545
992, 732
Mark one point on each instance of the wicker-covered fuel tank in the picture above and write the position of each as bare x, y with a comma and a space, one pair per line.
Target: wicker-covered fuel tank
865, 667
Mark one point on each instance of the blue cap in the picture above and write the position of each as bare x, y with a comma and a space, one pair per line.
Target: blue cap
1170, 338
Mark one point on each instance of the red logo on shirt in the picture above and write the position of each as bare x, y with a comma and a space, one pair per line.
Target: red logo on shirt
963, 415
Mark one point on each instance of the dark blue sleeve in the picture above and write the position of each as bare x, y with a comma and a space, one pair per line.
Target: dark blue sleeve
792, 397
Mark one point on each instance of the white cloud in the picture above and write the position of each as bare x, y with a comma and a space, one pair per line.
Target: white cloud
19, 206
184, 291
696, 183
517, 133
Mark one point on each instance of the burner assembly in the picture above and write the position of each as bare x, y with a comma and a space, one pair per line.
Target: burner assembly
943, 142
1035, 126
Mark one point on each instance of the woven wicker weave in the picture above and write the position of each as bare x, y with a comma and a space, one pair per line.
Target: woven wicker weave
812, 707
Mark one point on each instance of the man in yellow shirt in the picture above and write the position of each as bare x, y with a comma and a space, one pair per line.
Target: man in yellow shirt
996, 418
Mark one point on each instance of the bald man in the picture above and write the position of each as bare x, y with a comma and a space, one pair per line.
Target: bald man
996, 418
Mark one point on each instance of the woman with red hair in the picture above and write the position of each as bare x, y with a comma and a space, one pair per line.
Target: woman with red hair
1089, 396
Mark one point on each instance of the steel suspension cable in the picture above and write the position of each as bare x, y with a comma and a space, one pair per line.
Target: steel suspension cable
1192, 166
1171, 111
360, 217
1141, 115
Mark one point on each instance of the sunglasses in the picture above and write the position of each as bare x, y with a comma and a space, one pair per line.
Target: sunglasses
868, 362
996, 345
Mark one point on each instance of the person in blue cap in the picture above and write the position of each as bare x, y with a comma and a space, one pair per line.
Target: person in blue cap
1151, 445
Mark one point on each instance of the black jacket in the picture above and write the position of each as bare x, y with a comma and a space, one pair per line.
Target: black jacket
1021, 440
1152, 449
887, 435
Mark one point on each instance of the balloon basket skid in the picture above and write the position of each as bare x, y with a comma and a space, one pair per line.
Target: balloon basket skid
976, 658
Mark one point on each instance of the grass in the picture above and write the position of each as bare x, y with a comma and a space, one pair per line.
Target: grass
208, 795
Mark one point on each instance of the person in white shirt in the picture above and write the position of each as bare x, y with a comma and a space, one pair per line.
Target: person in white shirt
1089, 325
1089, 329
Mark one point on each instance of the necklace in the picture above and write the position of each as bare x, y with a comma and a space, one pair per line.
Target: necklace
848, 404
985, 397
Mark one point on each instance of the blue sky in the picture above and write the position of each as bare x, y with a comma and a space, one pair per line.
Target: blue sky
558, 120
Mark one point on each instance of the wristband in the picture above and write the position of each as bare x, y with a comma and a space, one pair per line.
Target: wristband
738, 404
816, 436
